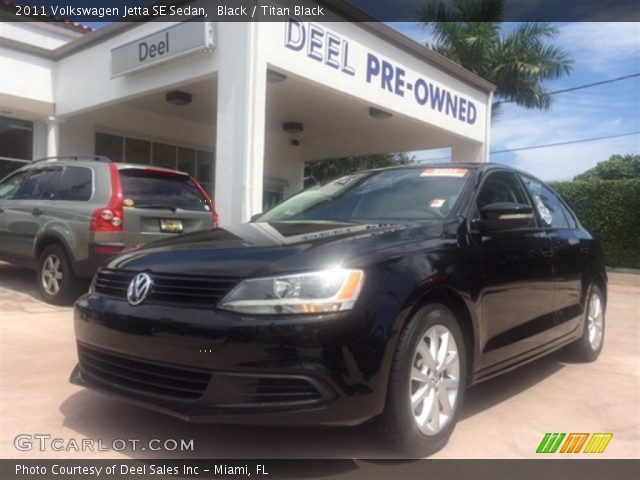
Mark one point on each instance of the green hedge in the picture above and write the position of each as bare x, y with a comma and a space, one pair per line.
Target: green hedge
610, 210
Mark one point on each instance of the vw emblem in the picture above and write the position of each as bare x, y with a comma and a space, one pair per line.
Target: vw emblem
139, 289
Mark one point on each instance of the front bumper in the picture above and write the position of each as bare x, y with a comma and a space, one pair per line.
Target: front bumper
213, 366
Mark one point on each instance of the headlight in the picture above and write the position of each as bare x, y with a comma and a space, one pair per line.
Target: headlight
333, 290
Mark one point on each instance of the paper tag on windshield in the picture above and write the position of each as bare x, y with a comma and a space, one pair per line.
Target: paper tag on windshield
444, 172
437, 202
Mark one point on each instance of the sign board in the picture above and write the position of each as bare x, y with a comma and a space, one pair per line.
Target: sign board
172, 42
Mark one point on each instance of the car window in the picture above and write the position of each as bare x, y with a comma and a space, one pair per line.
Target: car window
501, 187
76, 184
149, 188
39, 184
11, 185
550, 208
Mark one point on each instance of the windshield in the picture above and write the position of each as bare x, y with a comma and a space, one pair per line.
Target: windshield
407, 194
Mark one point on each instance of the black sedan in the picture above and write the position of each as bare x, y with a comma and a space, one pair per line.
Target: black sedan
381, 295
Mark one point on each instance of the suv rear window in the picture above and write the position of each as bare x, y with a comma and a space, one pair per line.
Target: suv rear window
147, 188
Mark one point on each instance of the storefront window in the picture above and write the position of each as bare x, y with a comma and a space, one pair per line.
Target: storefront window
187, 160
204, 172
137, 151
164, 155
16, 138
110, 146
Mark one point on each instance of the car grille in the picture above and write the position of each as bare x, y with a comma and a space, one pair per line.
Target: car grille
139, 375
192, 290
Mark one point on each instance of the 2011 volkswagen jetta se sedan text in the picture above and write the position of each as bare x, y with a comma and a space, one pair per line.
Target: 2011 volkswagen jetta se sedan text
381, 296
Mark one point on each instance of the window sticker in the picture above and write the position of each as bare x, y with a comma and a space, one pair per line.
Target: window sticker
444, 172
543, 210
437, 202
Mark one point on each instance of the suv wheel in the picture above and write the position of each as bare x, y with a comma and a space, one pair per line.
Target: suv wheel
56, 280
427, 382
588, 347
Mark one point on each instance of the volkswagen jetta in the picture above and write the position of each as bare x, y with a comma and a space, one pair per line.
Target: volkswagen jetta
381, 296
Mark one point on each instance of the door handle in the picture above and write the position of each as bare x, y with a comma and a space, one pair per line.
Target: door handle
36, 212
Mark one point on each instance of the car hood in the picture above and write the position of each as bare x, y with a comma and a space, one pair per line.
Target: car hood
260, 249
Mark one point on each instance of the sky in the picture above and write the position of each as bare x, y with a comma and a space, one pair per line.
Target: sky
600, 51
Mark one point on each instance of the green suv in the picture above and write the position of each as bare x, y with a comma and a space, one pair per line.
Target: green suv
65, 216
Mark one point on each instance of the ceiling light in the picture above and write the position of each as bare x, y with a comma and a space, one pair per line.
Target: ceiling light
378, 114
293, 127
275, 77
177, 97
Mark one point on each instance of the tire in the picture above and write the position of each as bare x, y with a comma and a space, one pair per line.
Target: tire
57, 283
411, 430
588, 347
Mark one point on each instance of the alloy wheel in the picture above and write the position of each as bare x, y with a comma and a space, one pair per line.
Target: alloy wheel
435, 379
51, 276
595, 321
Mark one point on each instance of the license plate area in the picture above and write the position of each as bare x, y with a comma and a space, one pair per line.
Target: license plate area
170, 225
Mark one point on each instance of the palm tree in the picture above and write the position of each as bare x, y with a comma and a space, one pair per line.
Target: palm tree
517, 61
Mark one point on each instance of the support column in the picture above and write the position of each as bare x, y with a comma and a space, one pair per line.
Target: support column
53, 137
468, 152
240, 128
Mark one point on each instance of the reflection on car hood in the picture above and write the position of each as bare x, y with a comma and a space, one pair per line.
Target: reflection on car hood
273, 248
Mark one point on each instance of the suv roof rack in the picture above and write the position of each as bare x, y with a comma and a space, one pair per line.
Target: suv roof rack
96, 158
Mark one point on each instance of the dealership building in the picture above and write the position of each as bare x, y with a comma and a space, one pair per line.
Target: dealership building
239, 105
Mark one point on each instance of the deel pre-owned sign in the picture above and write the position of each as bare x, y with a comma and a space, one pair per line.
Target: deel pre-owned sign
172, 42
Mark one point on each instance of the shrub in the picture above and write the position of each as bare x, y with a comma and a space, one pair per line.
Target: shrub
610, 210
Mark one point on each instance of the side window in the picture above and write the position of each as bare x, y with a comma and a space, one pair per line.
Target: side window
551, 210
76, 184
501, 187
39, 184
11, 185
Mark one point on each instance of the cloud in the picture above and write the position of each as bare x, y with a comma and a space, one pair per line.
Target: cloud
601, 46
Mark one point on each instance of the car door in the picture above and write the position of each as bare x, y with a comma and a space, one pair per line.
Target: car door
570, 252
25, 212
516, 269
8, 189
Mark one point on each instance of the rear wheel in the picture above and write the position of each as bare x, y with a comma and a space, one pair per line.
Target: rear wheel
427, 382
56, 280
588, 347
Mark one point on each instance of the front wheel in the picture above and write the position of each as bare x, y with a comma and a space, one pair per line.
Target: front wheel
427, 382
57, 283
588, 347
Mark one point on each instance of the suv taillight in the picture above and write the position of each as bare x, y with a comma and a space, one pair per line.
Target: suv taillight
111, 217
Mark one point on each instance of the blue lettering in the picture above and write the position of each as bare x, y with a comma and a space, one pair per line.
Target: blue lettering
452, 104
421, 91
437, 97
387, 75
346, 68
400, 82
332, 52
294, 43
463, 110
315, 42
471, 113
373, 66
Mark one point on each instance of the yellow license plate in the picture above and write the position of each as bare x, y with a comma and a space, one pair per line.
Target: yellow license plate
170, 225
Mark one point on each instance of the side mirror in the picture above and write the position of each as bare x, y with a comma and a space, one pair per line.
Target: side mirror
503, 216
255, 217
